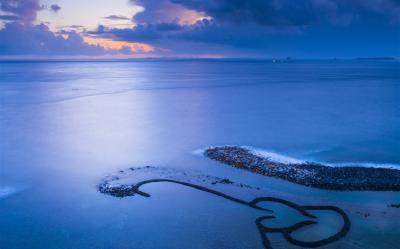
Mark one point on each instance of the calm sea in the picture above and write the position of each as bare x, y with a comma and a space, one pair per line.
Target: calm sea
65, 125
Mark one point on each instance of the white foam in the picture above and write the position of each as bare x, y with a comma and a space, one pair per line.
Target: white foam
199, 152
6, 191
272, 156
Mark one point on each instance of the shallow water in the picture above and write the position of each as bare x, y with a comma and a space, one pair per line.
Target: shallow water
65, 125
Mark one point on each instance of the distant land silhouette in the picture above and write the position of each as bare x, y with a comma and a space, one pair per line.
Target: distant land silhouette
376, 58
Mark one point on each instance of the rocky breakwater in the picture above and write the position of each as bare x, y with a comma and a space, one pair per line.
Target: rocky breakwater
308, 173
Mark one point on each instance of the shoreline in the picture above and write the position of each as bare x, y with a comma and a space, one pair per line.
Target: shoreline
309, 174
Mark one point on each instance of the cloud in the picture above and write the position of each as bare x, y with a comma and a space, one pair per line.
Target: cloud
288, 12
21, 36
55, 7
140, 33
116, 18
9, 18
265, 26
74, 27
389, 9
270, 13
20, 39
198, 26
234, 20
274, 13
27, 39
165, 11
23, 10
203, 31
168, 26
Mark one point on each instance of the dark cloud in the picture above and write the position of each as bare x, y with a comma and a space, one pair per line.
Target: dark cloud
55, 8
255, 23
265, 40
241, 35
389, 9
261, 26
146, 32
168, 26
264, 12
275, 13
203, 31
23, 10
116, 18
141, 33
289, 12
9, 18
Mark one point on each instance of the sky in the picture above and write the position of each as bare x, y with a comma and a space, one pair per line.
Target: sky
199, 28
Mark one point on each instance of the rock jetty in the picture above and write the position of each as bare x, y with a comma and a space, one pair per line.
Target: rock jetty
308, 173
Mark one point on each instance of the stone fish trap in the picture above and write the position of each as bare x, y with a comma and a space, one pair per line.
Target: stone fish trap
121, 185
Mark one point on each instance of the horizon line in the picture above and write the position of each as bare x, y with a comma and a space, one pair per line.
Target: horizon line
272, 59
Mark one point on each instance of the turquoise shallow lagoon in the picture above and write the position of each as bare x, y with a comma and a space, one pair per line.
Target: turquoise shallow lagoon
66, 125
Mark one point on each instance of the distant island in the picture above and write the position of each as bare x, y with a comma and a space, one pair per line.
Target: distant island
376, 58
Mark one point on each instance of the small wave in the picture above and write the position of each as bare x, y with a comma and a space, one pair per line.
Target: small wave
200, 152
272, 156
6, 191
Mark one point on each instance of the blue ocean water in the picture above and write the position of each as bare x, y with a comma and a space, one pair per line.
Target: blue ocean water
65, 125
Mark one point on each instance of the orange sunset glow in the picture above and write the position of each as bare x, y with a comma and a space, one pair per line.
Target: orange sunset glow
135, 47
